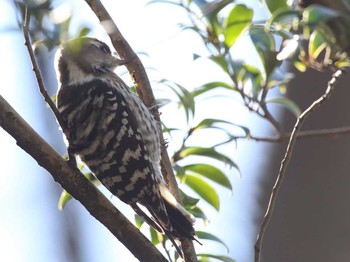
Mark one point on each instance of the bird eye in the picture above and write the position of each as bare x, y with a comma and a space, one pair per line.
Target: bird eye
105, 49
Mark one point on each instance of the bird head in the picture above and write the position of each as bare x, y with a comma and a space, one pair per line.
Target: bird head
84, 57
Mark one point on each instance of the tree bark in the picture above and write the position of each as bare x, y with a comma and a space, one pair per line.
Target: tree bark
77, 185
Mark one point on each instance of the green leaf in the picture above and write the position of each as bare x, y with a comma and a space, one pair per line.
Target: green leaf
255, 77
64, 198
317, 43
316, 13
138, 221
207, 152
300, 66
215, 7
287, 103
210, 86
211, 173
208, 236
185, 97
273, 5
265, 46
197, 212
262, 40
236, 23
203, 189
84, 31
211, 123
282, 18
187, 200
220, 61
221, 258
156, 237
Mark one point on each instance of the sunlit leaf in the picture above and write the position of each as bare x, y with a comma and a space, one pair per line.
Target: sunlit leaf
282, 18
254, 75
208, 236
156, 237
211, 173
207, 152
210, 86
300, 66
54, 98
203, 189
236, 23
263, 40
64, 198
213, 8
317, 44
170, 129
317, 13
287, 103
273, 5
221, 258
279, 78
343, 62
265, 46
212, 123
84, 31
138, 221
219, 60
187, 200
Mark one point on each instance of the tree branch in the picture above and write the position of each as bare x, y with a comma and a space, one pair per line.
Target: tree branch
77, 185
36, 69
285, 161
68, 176
144, 90
328, 133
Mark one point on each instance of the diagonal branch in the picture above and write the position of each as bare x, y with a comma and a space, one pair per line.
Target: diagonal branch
77, 185
69, 177
36, 69
285, 161
144, 90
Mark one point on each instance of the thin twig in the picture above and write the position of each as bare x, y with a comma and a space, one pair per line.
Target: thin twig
36, 70
328, 133
281, 174
144, 90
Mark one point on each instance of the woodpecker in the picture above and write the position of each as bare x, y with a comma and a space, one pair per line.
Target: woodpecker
115, 135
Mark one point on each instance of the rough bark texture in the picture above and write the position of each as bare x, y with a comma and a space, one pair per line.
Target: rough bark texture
77, 185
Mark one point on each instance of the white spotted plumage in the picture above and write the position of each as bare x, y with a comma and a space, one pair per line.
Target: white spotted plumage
115, 134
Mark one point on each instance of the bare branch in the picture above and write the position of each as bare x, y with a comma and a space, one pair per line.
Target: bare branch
77, 185
281, 174
144, 90
36, 70
328, 133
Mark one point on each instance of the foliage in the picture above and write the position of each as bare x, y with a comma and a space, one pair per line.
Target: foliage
314, 37
309, 40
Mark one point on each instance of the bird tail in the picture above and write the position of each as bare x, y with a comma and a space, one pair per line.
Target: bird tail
180, 219
169, 217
